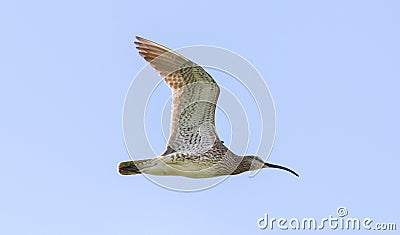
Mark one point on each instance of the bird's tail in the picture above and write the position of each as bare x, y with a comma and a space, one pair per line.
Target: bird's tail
128, 168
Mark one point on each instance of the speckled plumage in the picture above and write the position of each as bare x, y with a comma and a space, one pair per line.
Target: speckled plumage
193, 148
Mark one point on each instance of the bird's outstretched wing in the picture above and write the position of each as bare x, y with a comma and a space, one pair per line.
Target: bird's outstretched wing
194, 93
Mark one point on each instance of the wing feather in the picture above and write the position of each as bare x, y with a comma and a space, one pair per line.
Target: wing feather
195, 94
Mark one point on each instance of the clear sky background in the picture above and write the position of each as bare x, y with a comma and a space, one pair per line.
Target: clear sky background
332, 68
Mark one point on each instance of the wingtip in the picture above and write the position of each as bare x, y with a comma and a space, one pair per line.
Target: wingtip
140, 44
142, 40
138, 40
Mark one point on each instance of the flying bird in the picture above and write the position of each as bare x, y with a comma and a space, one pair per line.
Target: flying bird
193, 149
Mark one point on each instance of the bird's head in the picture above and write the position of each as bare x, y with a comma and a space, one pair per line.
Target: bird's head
251, 163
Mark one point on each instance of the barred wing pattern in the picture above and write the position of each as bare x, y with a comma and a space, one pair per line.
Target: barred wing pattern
194, 98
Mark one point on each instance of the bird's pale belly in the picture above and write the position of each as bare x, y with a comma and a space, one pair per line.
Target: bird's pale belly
186, 169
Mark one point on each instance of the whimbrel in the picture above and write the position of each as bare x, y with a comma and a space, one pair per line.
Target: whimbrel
193, 149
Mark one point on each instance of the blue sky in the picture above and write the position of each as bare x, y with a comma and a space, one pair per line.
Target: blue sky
332, 68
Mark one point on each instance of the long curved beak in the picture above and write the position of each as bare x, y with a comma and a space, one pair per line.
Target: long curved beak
280, 167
